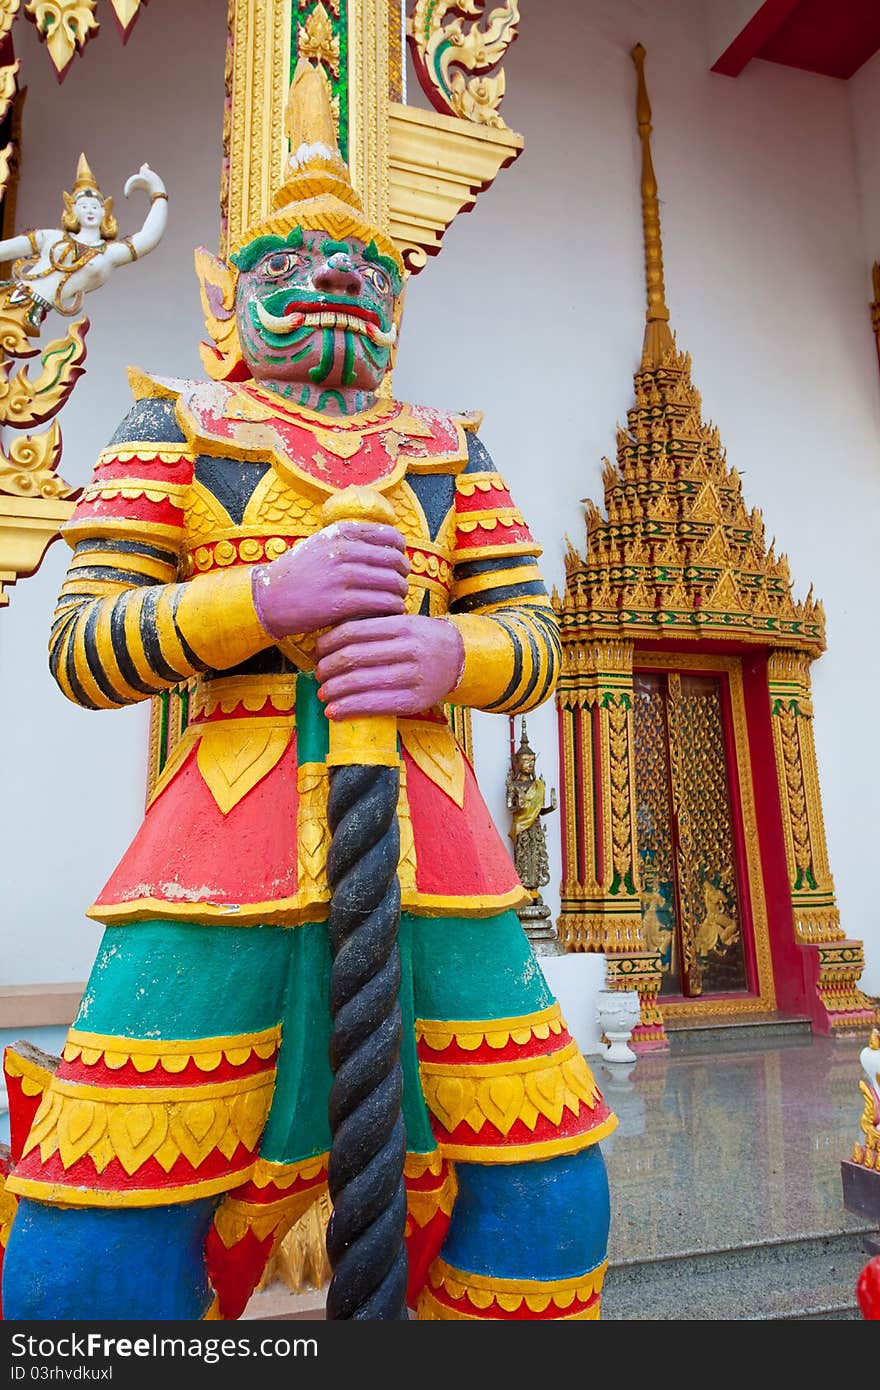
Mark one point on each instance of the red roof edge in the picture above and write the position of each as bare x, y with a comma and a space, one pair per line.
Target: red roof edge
752, 38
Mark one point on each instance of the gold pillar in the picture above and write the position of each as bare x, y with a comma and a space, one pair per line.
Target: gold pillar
601, 896
368, 80
815, 918
257, 81
812, 889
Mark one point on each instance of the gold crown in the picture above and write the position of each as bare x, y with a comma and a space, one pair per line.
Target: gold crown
85, 181
317, 194
524, 746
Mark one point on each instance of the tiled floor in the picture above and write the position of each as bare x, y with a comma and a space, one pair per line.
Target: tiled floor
730, 1140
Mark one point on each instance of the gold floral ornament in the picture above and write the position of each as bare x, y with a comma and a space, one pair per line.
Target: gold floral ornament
442, 45
8, 10
65, 26
317, 40
8, 86
29, 469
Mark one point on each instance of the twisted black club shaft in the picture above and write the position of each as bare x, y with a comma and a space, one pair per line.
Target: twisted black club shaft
365, 1234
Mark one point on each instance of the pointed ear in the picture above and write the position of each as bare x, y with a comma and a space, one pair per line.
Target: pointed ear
222, 357
108, 207
217, 285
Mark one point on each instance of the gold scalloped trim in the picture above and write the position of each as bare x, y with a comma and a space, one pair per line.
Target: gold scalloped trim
427, 562
174, 1055
166, 492
484, 1292
430, 1309
423, 1206
234, 1218
145, 453
469, 483
286, 1174
495, 1032
416, 1165
134, 1126
506, 1093
489, 520
34, 1078
252, 693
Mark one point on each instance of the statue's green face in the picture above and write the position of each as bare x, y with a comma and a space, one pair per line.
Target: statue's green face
316, 311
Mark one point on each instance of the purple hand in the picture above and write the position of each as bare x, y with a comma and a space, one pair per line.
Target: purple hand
388, 665
352, 569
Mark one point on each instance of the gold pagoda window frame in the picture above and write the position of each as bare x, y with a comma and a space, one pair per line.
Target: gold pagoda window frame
731, 667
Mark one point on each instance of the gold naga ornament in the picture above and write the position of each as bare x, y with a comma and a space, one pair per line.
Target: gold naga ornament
860, 1173
442, 43
868, 1153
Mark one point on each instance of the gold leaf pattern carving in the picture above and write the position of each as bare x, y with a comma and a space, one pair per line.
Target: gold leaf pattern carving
65, 26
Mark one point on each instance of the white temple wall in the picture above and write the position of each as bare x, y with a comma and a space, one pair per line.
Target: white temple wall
723, 21
74, 780
534, 313
864, 90
765, 277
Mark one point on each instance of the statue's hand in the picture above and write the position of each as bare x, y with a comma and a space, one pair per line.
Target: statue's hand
400, 666
146, 179
352, 569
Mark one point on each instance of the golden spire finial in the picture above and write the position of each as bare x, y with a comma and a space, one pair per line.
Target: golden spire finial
308, 119
85, 180
315, 167
317, 193
658, 338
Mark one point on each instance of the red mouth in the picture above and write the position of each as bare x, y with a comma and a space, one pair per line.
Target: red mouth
300, 306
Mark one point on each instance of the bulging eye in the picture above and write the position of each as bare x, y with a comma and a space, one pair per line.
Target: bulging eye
376, 278
280, 263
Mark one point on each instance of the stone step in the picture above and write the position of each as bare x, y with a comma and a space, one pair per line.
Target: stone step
729, 1033
810, 1278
